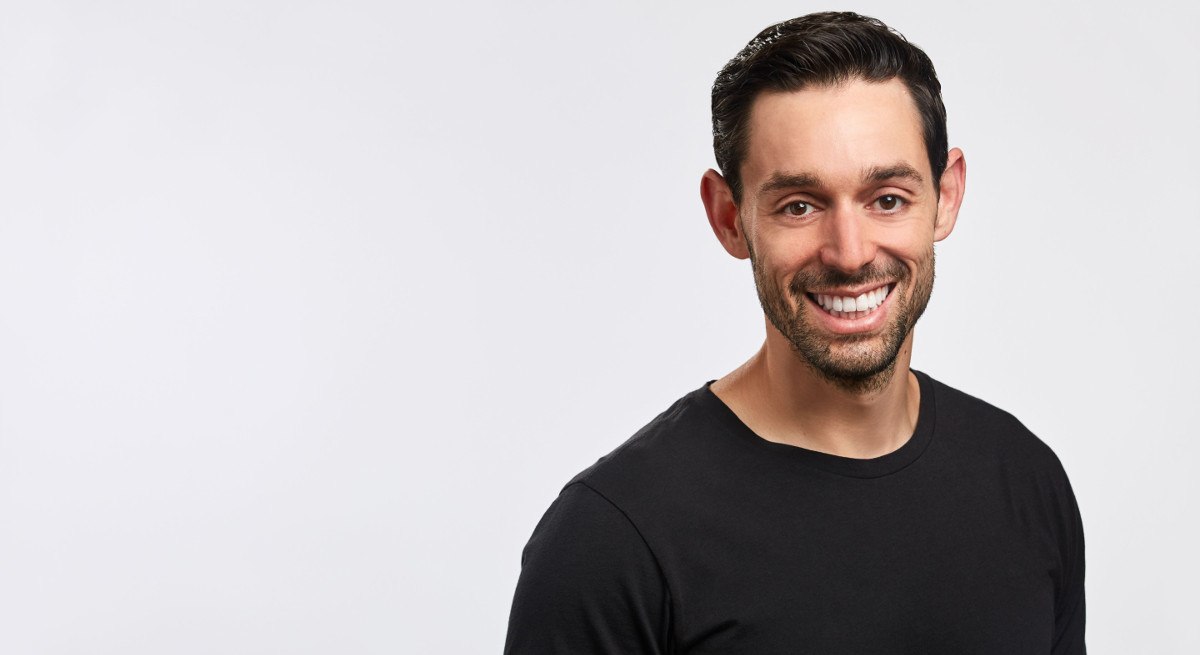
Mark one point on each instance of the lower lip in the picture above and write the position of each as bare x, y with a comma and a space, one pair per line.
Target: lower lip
871, 322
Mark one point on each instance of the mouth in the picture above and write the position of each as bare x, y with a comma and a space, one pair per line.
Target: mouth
851, 307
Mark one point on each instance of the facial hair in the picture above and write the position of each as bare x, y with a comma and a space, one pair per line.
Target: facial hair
861, 363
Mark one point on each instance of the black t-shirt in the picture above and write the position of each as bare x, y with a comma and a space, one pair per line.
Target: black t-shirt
698, 536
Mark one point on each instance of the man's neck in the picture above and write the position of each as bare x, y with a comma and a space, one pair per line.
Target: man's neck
784, 400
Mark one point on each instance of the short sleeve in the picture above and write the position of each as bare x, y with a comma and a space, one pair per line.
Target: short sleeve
588, 584
1070, 607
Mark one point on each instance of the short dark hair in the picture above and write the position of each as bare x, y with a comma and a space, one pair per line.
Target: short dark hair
821, 49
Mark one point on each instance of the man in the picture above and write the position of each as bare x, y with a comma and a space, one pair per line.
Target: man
823, 497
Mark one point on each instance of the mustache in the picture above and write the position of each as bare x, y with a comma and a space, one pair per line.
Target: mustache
825, 278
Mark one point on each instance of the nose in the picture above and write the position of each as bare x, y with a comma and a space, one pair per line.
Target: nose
848, 244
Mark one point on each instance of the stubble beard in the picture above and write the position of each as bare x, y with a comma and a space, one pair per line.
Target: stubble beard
859, 364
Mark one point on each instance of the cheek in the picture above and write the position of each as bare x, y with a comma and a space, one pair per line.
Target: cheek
788, 250
907, 245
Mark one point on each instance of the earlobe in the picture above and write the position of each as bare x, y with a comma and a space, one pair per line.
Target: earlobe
953, 185
723, 213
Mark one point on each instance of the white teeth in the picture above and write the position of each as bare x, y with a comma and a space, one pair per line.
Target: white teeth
847, 307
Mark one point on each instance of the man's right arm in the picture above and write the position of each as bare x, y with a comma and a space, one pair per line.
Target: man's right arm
589, 583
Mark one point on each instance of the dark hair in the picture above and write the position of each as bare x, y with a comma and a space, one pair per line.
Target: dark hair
821, 49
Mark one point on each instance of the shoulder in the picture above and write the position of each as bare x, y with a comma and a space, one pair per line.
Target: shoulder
1001, 454
578, 522
667, 456
978, 426
658, 445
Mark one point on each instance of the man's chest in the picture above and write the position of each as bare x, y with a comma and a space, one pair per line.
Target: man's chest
900, 571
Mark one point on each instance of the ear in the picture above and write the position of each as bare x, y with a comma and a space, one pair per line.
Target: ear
723, 213
954, 183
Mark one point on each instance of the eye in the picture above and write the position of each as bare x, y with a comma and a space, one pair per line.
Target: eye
890, 203
798, 208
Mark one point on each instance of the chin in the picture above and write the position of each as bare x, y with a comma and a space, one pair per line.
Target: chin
860, 372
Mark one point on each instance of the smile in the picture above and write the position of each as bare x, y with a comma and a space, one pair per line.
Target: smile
852, 307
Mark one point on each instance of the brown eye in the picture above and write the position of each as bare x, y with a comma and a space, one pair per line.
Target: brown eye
798, 208
889, 203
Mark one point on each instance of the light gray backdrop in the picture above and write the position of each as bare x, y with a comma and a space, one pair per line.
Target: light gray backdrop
307, 310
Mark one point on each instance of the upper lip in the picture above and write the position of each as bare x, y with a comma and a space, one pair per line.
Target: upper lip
851, 292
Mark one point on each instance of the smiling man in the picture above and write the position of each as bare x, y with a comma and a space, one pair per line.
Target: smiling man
823, 497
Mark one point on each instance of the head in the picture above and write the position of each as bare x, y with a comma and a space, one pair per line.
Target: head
821, 50
837, 181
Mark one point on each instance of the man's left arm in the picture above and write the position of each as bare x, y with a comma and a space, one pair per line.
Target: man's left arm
1069, 607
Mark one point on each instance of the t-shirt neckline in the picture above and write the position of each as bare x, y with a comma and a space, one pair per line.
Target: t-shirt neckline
876, 467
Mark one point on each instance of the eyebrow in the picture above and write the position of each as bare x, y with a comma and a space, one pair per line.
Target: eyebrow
874, 175
789, 181
893, 172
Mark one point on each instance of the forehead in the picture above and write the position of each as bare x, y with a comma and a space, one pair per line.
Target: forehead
834, 132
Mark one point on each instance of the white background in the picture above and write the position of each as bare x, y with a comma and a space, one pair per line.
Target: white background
307, 310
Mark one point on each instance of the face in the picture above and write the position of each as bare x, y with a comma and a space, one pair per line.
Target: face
839, 215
